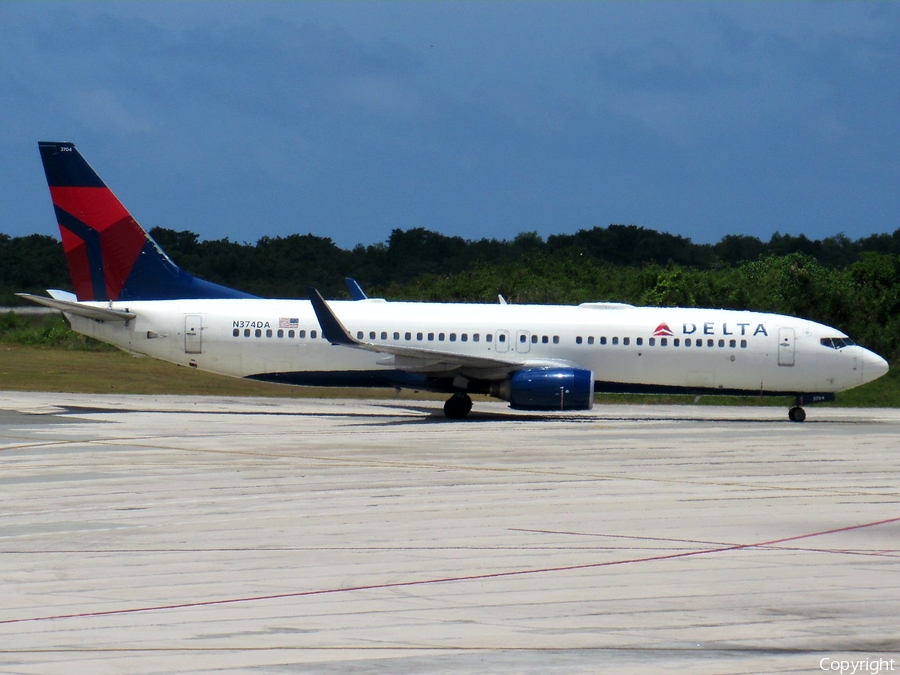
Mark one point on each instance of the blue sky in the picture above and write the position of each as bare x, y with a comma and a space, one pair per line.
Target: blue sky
348, 120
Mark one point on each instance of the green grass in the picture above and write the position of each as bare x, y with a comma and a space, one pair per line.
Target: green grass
42, 354
46, 330
29, 368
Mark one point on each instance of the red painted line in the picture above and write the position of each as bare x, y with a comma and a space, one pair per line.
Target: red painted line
620, 536
445, 580
628, 537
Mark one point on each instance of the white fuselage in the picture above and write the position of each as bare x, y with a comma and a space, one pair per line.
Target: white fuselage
627, 348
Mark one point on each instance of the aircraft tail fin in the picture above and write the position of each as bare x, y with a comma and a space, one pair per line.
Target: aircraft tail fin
109, 254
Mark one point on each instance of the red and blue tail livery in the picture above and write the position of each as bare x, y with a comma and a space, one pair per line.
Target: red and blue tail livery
110, 256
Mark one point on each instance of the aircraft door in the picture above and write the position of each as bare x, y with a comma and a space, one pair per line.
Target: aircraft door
193, 327
785, 346
522, 341
501, 341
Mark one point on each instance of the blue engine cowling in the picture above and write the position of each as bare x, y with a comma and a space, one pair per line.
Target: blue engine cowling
549, 389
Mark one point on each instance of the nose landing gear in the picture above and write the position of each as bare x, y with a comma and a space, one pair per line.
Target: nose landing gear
797, 414
457, 406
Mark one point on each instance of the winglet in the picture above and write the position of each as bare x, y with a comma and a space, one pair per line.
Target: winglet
355, 290
332, 328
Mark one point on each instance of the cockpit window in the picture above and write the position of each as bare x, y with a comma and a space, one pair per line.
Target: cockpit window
837, 343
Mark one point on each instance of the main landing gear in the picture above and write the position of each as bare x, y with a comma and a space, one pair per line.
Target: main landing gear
457, 406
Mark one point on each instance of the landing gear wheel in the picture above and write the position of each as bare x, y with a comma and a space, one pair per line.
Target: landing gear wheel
457, 406
797, 414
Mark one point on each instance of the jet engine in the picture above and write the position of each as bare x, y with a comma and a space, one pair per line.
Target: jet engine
547, 389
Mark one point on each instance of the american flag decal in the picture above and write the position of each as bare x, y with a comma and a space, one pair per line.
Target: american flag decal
285, 322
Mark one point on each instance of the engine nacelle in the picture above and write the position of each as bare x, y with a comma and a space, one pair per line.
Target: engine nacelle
548, 389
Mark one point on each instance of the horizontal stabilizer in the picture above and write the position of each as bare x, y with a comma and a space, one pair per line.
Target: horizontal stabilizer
79, 309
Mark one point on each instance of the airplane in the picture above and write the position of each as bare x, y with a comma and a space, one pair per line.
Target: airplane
129, 293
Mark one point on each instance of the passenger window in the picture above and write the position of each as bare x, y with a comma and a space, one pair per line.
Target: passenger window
312, 334
590, 339
687, 342
476, 337
464, 337
431, 337
676, 342
615, 340
652, 342
556, 339
578, 340
419, 337
301, 334
489, 337
396, 335
522, 339
408, 336
258, 332
359, 335
452, 337
603, 340
235, 332
721, 343
626, 341
384, 335
710, 342
732, 343
639, 341
441, 337
534, 339
663, 342
371, 334
246, 332
268, 332
280, 333
291, 333
501, 338
743, 344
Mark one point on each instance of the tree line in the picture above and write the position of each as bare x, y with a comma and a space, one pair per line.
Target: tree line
853, 285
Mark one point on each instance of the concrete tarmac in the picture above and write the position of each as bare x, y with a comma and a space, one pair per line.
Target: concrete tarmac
212, 535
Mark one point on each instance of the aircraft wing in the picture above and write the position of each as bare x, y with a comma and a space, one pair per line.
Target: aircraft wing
79, 309
419, 359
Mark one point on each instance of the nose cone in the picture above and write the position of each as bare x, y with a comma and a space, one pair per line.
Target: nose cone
873, 366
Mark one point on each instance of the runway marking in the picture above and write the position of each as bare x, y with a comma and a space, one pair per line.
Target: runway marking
35, 445
445, 580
